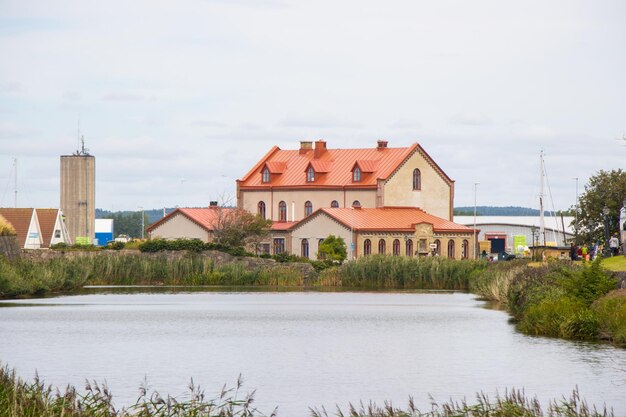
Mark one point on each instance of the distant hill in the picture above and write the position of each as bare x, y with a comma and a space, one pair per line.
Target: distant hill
153, 215
495, 211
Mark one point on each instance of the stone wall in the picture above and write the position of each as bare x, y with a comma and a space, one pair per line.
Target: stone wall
9, 247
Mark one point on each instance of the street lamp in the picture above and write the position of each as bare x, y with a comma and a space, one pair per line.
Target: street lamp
475, 246
607, 249
142, 222
576, 214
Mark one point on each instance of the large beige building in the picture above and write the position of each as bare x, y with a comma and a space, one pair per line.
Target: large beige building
397, 199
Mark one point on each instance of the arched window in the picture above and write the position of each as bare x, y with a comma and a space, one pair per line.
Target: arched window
367, 247
308, 208
356, 203
382, 246
438, 248
310, 174
396, 247
261, 209
282, 211
409, 247
417, 179
304, 248
265, 175
465, 249
451, 249
334, 204
356, 174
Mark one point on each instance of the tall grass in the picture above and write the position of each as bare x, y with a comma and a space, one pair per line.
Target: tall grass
20, 278
19, 398
401, 272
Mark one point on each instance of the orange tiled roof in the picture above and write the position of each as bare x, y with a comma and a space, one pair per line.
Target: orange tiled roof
389, 218
282, 225
47, 219
20, 220
337, 164
205, 217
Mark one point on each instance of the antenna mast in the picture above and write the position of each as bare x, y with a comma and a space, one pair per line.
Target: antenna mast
542, 226
15, 167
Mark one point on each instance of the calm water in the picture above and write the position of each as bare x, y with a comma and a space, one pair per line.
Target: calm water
300, 349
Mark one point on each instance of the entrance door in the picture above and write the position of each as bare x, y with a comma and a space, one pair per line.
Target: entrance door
497, 245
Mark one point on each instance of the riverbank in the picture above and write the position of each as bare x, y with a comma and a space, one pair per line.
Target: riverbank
559, 299
19, 398
555, 299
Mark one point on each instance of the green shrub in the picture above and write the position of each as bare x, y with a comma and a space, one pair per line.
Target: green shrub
611, 313
588, 283
115, 245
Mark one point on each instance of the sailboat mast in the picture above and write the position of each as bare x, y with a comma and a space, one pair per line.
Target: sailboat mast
542, 226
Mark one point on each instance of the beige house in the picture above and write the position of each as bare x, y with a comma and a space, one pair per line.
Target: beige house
188, 223
289, 186
399, 231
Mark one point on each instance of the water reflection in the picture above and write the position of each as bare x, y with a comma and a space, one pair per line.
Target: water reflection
299, 349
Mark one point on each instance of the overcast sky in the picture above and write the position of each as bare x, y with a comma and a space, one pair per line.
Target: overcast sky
178, 99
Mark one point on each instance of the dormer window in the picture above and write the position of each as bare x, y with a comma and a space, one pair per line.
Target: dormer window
310, 174
265, 175
356, 174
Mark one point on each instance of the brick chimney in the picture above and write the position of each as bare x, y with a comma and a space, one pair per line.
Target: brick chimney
213, 205
320, 148
305, 146
381, 144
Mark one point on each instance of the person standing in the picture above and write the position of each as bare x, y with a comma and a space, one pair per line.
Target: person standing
614, 245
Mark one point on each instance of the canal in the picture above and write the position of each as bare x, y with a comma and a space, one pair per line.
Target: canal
300, 349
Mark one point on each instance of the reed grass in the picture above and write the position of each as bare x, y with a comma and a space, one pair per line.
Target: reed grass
19, 398
513, 403
379, 271
22, 278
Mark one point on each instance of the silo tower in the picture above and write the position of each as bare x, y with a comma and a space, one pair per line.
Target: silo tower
78, 194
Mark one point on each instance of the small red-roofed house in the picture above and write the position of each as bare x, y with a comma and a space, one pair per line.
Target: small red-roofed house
26, 225
188, 223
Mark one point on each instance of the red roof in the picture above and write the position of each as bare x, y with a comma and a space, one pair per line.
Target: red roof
278, 226
205, 217
20, 220
336, 164
402, 219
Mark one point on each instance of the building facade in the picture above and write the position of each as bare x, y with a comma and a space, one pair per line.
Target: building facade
288, 185
312, 192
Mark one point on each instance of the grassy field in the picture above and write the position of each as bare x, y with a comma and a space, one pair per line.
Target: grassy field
615, 263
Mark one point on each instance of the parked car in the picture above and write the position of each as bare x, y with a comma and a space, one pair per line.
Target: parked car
505, 256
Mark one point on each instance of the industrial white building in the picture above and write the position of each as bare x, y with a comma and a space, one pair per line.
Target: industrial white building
503, 230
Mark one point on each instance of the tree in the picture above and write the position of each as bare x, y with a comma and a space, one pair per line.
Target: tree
126, 222
236, 227
333, 249
605, 189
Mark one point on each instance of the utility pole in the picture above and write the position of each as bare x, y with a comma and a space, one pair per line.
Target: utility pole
15, 175
475, 242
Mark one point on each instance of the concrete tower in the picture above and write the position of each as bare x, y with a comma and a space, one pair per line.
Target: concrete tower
78, 194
